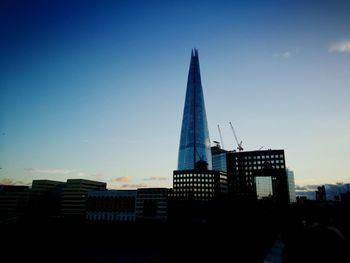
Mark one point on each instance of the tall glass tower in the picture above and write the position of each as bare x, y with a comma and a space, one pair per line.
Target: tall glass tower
194, 141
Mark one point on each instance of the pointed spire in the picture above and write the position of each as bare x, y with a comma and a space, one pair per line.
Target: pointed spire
194, 140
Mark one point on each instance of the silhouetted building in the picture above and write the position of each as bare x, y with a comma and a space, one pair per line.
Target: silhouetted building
13, 200
75, 196
152, 204
111, 205
321, 193
219, 158
194, 140
45, 198
345, 197
259, 174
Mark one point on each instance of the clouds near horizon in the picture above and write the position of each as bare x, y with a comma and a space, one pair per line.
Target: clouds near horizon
156, 178
133, 186
8, 181
123, 179
50, 171
340, 47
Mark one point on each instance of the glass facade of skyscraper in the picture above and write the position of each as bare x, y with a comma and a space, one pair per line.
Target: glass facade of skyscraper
194, 140
219, 159
263, 187
291, 186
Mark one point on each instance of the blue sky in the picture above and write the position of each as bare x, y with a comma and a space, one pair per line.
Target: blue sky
95, 89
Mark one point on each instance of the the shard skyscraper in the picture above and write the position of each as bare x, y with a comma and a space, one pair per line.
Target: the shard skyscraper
194, 141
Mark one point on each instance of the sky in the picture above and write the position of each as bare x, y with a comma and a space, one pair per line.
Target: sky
96, 89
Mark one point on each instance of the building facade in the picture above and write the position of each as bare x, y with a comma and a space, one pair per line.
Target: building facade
111, 205
197, 185
13, 200
45, 198
291, 186
258, 174
218, 158
75, 195
194, 140
152, 204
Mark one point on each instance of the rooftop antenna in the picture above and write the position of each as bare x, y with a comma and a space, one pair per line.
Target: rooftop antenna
222, 142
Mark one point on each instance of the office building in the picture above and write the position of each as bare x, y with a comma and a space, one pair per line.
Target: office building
218, 158
13, 200
152, 204
258, 175
204, 186
111, 205
45, 198
75, 195
194, 140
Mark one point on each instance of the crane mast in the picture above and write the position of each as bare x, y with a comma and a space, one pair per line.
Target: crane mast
239, 144
222, 142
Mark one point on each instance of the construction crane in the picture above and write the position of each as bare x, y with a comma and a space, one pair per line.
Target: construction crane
239, 144
222, 142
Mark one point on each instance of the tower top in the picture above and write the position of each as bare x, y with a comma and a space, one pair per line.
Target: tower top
194, 140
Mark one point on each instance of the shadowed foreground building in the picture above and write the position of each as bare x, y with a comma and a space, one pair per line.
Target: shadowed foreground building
143, 204
152, 204
75, 195
13, 200
258, 175
45, 198
111, 205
